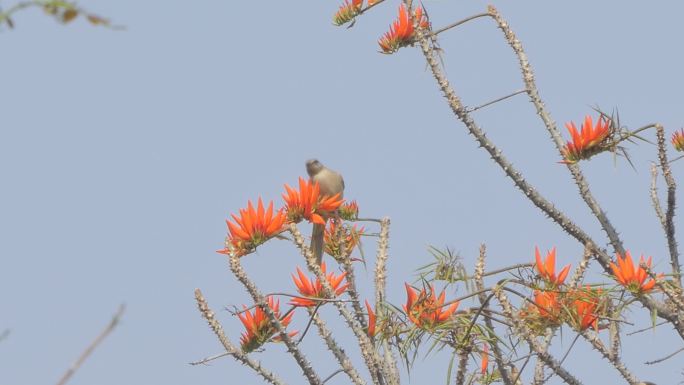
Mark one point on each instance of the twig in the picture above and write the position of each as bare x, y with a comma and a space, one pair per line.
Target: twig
96, 342
456, 24
216, 327
333, 374
496, 100
667, 357
209, 359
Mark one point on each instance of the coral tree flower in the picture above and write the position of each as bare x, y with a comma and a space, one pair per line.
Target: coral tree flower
308, 203
547, 268
371, 320
335, 236
401, 31
349, 211
347, 12
632, 277
547, 304
585, 306
258, 327
678, 140
314, 289
587, 142
426, 310
253, 227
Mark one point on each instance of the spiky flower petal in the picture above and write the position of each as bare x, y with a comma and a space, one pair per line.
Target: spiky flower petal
547, 268
678, 140
425, 309
314, 289
588, 141
401, 31
258, 328
253, 227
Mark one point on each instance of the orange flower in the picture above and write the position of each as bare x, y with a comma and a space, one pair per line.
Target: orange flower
547, 304
678, 140
401, 31
485, 359
307, 203
308, 288
253, 227
347, 12
585, 305
371, 320
587, 142
334, 235
547, 269
349, 211
631, 277
425, 309
258, 327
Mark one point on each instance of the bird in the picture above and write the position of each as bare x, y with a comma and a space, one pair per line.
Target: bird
330, 183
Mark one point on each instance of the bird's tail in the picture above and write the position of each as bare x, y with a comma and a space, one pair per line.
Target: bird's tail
317, 242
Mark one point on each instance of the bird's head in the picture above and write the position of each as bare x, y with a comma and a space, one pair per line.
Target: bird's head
313, 166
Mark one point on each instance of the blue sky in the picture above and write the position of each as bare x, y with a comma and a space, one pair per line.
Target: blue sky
122, 152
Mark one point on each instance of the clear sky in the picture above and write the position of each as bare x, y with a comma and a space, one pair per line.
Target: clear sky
122, 152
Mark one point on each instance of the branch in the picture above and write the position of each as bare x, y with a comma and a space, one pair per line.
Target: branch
303, 363
339, 354
521, 328
494, 343
532, 91
208, 315
668, 225
96, 342
535, 197
613, 359
367, 350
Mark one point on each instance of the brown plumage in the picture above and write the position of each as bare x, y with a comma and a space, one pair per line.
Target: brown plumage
330, 183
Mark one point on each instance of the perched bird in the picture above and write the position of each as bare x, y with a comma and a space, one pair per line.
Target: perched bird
330, 183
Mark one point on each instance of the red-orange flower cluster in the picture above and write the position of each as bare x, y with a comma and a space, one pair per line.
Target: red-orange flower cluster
311, 289
587, 142
347, 12
253, 227
678, 140
585, 303
630, 276
308, 203
547, 268
401, 31
426, 310
336, 236
258, 327
349, 211
547, 304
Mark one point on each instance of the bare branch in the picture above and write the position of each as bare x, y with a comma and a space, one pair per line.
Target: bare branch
96, 342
